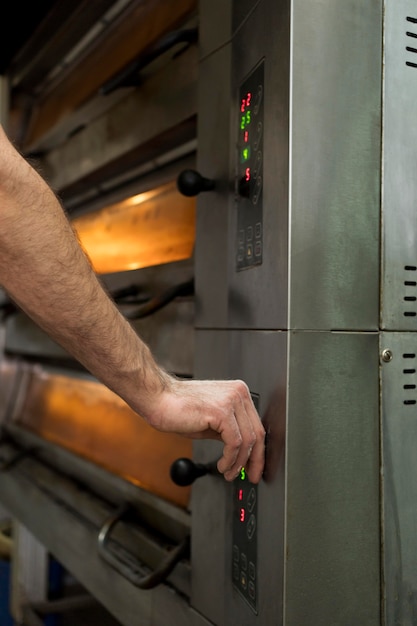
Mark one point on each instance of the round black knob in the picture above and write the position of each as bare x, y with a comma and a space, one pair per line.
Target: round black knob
184, 471
191, 183
243, 188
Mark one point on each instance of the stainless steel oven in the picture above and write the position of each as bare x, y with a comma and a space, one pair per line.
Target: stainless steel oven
304, 270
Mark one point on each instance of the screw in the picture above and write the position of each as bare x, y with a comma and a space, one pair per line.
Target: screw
386, 355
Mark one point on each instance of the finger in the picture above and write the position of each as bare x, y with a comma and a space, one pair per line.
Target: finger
251, 454
245, 448
256, 459
244, 421
256, 462
232, 441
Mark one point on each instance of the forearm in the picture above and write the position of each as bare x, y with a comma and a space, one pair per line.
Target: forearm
45, 271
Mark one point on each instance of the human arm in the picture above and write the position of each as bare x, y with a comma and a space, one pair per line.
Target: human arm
46, 272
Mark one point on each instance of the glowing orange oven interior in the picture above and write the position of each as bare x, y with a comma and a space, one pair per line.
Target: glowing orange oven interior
88, 419
147, 229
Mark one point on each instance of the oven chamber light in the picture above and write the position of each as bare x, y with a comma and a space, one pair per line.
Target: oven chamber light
145, 230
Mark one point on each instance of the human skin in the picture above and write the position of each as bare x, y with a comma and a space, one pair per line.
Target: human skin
49, 276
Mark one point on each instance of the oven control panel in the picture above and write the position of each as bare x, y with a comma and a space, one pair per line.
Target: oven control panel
244, 558
249, 191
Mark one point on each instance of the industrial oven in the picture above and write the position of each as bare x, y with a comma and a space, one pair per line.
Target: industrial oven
304, 276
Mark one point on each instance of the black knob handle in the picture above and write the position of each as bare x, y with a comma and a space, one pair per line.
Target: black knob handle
191, 183
184, 471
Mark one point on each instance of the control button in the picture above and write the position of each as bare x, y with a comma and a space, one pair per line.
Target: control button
249, 233
258, 136
243, 580
250, 530
258, 230
258, 164
244, 561
236, 553
252, 570
257, 190
243, 187
252, 492
258, 99
249, 251
240, 255
252, 591
235, 571
258, 248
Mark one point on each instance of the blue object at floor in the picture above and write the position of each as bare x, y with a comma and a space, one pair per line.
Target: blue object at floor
5, 617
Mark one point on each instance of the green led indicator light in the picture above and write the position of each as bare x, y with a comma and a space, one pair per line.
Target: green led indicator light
245, 120
245, 154
242, 474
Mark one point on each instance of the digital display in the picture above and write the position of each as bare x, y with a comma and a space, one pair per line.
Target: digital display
249, 183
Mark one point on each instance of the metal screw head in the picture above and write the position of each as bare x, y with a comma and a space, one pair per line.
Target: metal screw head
386, 355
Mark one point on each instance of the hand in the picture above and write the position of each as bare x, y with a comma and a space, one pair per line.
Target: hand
213, 409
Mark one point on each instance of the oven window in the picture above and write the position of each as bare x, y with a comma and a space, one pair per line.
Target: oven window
147, 229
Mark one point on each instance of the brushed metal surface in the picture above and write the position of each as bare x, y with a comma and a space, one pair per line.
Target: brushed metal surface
322, 147
215, 25
332, 545
335, 151
212, 220
259, 358
399, 272
399, 462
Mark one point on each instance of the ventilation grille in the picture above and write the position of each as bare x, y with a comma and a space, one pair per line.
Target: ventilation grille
410, 298
409, 384
411, 45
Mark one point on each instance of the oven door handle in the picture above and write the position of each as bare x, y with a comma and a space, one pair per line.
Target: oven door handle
129, 566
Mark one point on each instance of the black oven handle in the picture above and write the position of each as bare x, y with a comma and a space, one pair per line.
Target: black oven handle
129, 566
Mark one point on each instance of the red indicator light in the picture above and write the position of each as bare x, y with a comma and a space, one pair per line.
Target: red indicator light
240, 495
242, 515
246, 136
243, 105
247, 174
248, 98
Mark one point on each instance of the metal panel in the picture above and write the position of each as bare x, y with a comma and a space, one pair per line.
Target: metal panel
335, 164
399, 311
212, 228
335, 170
214, 25
259, 358
227, 297
77, 552
399, 424
332, 514
331, 556
122, 137
264, 35
241, 11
